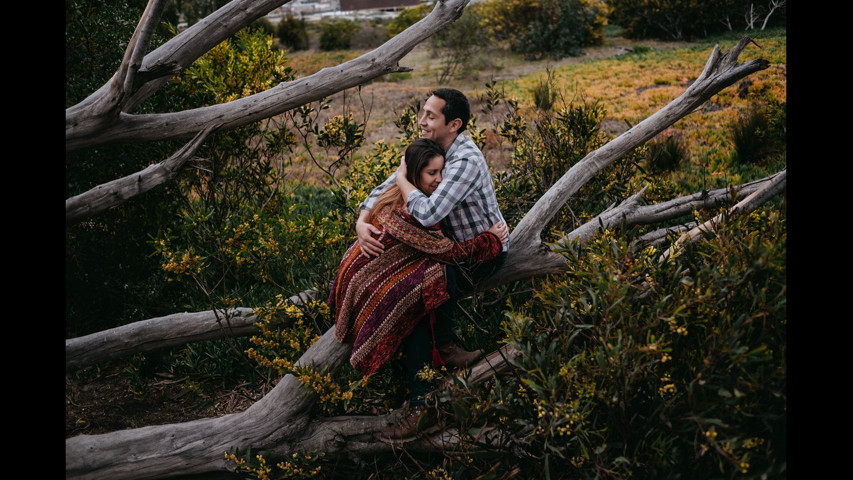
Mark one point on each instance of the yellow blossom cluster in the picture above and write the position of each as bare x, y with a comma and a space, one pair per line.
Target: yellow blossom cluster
298, 466
668, 387
184, 263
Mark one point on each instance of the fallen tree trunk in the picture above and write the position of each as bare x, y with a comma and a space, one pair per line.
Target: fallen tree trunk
721, 70
168, 331
280, 422
181, 328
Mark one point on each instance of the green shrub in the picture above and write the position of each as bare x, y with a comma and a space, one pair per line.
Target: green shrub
263, 25
561, 27
757, 133
555, 28
646, 370
408, 17
666, 154
337, 34
293, 33
544, 94
687, 20
545, 151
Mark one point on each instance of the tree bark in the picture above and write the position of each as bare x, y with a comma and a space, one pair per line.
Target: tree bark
168, 331
630, 212
114, 193
86, 128
721, 70
770, 189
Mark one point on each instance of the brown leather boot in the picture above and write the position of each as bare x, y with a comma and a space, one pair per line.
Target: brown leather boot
411, 418
455, 357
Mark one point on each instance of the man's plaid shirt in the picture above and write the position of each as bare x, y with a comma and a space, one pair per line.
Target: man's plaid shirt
465, 197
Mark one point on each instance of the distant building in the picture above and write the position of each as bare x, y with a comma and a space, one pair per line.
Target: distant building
351, 5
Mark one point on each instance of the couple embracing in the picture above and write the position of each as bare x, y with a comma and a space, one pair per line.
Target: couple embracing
433, 229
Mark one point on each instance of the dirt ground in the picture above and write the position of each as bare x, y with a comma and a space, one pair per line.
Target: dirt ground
105, 401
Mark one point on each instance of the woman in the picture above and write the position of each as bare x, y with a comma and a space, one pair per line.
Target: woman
378, 300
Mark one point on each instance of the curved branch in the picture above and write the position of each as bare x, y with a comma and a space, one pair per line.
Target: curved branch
630, 212
168, 331
104, 107
769, 190
182, 50
721, 70
281, 98
114, 193
199, 446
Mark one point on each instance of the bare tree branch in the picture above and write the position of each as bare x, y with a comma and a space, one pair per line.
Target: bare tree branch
770, 189
104, 108
114, 193
82, 132
721, 70
630, 212
168, 331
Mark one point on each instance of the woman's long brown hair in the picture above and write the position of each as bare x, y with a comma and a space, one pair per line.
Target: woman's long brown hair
417, 157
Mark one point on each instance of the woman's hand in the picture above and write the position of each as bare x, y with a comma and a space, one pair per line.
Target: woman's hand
500, 230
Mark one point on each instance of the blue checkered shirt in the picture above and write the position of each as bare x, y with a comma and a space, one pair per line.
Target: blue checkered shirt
465, 198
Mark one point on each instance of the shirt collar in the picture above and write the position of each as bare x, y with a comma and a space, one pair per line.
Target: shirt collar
455, 145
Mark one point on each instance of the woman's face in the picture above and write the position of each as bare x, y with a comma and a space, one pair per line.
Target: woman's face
431, 175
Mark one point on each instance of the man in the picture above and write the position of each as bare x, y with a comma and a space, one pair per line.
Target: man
466, 201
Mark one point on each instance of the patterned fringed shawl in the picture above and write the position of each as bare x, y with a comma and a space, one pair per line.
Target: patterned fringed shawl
378, 300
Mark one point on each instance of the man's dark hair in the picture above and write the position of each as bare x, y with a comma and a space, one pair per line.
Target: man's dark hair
455, 106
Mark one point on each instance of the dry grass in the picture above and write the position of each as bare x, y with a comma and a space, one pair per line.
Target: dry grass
630, 90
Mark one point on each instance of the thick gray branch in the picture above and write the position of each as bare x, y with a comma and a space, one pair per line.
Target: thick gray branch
168, 331
721, 70
79, 133
114, 193
199, 446
770, 189
181, 51
630, 212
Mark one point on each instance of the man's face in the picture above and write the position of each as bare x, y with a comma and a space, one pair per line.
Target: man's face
433, 125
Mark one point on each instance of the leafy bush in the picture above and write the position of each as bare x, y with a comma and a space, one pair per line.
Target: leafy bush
545, 150
688, 20
337, 34
757, 133
665, 154
264, 25
561, 27
293, 33
646, 370
555, 28
408, 17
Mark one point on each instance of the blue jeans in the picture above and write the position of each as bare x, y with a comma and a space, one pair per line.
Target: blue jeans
417, 347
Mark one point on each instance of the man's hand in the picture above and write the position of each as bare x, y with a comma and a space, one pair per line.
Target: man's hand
401, 170
403, 183
367, 236
500, 230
